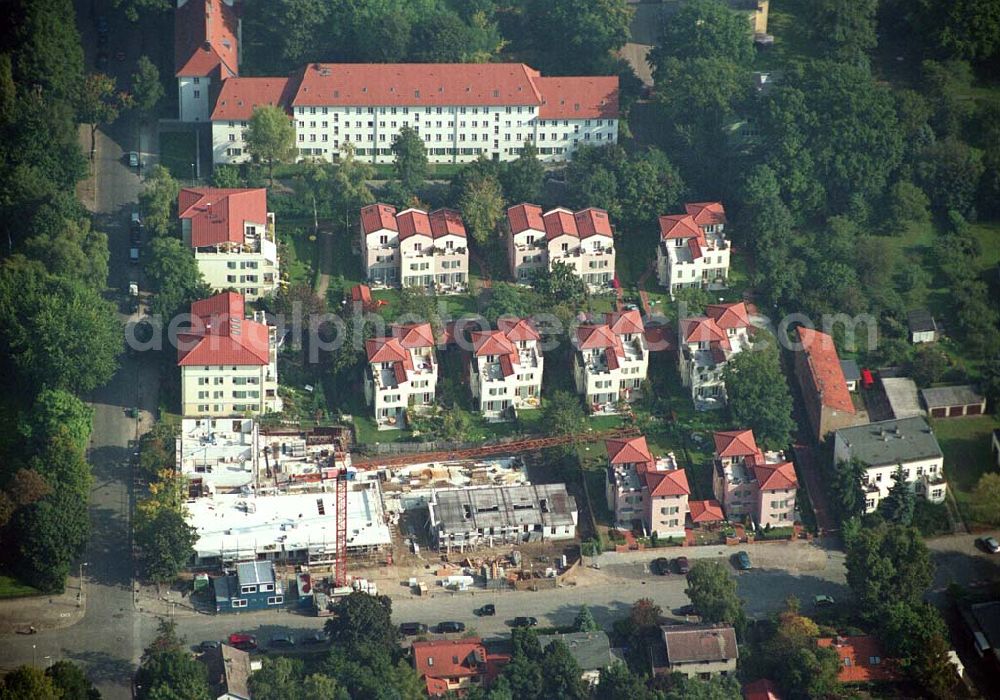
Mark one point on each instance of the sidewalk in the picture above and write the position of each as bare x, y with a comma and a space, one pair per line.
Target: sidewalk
44, 612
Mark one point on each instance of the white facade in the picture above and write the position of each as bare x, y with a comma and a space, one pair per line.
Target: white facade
505, 371
228, 390
611, 361
194, 98
706, 343
693, 250
402, 374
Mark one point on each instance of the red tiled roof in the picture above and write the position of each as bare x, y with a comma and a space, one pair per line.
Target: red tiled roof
522, 217
667, 483
491, 343
856, 656
218, 215
625, 322
417, 84
705, 511
702, 329
590, 97
679, 226
239, 96
362, 293
222, 336
824, 366
735, 443
385, 350
592, 222
413, 222
694, 246
630, 451
414, 335
590, 337
762, 689
560, 222
376, 217
446, 222
205, 38
706, 213
517, 329
775, 477
731, 315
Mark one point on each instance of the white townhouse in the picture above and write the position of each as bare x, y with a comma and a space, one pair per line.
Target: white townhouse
611, 360
412, 248
583, 240
206, 54
693, 251
402, 373
234, 108
229, 363
887, 446
232, 235
706, 344
505, 372
461, 111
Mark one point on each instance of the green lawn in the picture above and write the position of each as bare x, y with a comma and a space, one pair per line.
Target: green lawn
12, 588
299, 258
787, 22
966, 446
178, 153
988, 234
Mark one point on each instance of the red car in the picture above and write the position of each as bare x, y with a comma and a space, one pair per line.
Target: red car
243, 642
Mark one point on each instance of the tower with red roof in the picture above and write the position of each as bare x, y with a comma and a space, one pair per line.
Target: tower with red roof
206, 53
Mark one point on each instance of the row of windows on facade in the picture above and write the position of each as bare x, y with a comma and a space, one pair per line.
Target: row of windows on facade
238, 381
623, 383
272, 600
931, 471
416, 110
543, 150
236, 395
426, 398
218, 408
442, 124
324, 138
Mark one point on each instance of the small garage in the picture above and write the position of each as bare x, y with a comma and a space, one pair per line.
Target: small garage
953, 401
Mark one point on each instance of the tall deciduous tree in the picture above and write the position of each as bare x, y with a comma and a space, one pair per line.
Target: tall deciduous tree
56, 411
158, 200
588, 30
363, 619
984, 503
482, 207
26, 682
411, 159
887, 563
97, 103
712, 590
562, 414
271, 137
704, 29
523, 178
174, 277
758, 396
169, 672
147, 90
845, 27
561, 285
166, 542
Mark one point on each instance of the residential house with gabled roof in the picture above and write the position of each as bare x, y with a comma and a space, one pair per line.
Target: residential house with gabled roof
453, 666
234, 107
229, 671
231, 233
611, 360
229, 363
828, 402
401, 374
582, 240
646, 491
696, 650
413, 248
751, 483
205, 54
705, 345
861, 659
693, 250
505, 370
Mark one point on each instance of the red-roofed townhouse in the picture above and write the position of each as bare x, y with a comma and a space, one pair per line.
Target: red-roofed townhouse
402, 373
693, 251
452, 666
610, 362
462, 110
583, 241
827, 399
641, 490
505, 372
861, 659
229, 363
526, 242
232, 235
205, 54
706, 343
380, 245
234, 107
750, 483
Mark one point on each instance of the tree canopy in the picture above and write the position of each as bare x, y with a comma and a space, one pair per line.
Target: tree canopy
758, 396
270, 137
712, 591
410, 165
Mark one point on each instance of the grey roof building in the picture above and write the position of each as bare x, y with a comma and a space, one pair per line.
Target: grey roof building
983, 621
501, 514
591, 650
698, 649
901, 393
891, 442
923, 328
852, 373
952, 401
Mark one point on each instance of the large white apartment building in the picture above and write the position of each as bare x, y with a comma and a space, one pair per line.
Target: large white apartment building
206, 53
229, 363
234, 109
462, 111
582, 240
232, 235
693, 251
505, 372
412, 248
402, 373
611, 360
706, 344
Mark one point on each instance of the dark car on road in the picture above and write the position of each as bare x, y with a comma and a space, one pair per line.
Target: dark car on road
660, 566
451, 626
742, 561
487, 610
209, 646
316, 638
682, 564
244, 642
989, 544
281, 643
686, 610
524, 621
412, 628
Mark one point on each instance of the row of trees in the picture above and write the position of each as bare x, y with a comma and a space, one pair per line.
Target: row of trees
63, 680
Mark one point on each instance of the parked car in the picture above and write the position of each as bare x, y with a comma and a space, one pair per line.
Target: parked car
990, 544
686, 610
281, 643
682, 564
412, 628
208, 646
488, 610
245, 642
660, 566
451, 626
523, 621
102, 24
133, 158
319, 637
134, 218
823, 601
133, 255
743, 561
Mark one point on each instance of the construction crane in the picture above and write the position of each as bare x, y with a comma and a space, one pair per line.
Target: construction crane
340, 498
